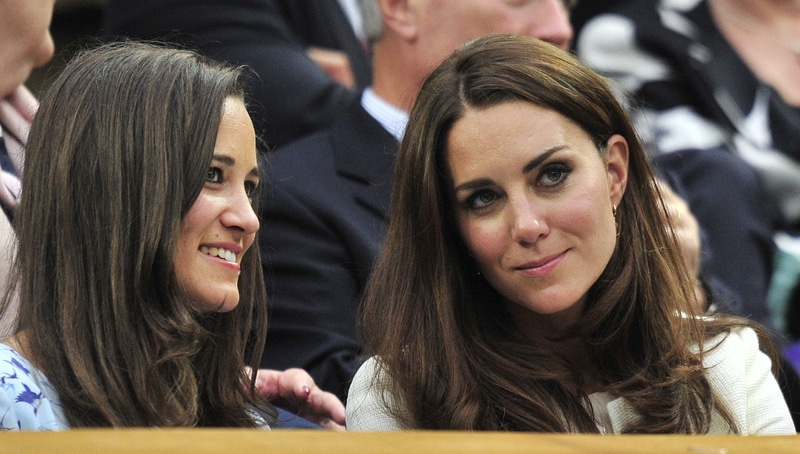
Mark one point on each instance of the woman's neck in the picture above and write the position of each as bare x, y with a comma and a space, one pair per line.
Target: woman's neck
576, 352
554, 331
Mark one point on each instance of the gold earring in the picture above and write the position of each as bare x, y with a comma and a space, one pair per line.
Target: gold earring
614, 213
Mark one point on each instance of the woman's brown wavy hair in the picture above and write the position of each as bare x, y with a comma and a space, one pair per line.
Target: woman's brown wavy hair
442, 333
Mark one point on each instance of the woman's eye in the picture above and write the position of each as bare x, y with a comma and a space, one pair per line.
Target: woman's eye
214, 175
481, 200
553, 175
251, 189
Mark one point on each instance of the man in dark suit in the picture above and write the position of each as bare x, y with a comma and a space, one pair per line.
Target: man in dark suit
326, 196
291, 94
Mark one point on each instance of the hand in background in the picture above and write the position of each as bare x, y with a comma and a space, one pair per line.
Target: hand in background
17, 111
335, 64
687, 231
294, 390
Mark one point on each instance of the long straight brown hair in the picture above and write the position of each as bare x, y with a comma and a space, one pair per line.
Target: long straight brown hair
440, 331
118, 153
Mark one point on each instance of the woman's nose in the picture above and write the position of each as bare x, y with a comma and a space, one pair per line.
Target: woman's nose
527, 222
240, 214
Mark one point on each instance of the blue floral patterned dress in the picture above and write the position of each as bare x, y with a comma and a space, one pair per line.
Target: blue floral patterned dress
27, 400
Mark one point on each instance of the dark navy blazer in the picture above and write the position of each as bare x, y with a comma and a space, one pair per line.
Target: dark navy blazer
323, 220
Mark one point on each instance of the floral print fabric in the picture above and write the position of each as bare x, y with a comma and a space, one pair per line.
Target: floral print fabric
27, 400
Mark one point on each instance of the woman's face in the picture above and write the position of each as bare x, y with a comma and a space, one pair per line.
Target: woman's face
25, 41
533, 200
221, 224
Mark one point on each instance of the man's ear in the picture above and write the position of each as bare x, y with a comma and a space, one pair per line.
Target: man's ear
616, 158
400, 17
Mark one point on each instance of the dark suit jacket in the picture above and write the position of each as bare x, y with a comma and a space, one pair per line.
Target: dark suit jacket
323, 221
291, 95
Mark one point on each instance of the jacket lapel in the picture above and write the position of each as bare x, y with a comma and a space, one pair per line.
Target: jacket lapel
365, 153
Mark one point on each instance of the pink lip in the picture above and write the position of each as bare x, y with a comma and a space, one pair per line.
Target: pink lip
233, 266
542, 267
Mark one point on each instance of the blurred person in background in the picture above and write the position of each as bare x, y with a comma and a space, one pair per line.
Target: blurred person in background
309, 56
25, 44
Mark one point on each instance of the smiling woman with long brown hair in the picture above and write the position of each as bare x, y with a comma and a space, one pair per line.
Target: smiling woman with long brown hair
133, 271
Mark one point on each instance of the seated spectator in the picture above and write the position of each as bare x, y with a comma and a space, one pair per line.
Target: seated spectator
528, 281
136, 269
699, 106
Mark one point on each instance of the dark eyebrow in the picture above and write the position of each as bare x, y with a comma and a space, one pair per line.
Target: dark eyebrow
537, 161
534, 163
230, 162
474, 184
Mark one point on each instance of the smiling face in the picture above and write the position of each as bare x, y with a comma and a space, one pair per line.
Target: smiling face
221, 224
533, 200
25, 40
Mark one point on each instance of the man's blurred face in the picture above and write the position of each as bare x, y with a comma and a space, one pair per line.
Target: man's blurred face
25, 41
444, 25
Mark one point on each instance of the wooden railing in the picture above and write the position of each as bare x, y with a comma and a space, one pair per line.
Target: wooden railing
313, 441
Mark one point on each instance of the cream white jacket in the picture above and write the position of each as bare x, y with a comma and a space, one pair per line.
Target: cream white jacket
738, 371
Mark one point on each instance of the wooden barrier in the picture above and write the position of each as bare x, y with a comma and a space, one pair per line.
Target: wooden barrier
312, 441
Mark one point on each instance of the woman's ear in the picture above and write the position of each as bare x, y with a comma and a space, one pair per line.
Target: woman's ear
399, 16
616, 160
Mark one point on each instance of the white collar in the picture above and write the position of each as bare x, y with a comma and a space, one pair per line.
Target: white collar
392, 118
